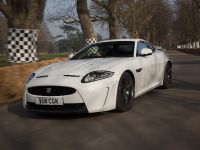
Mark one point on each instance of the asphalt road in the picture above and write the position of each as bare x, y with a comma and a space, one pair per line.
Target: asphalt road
159, 120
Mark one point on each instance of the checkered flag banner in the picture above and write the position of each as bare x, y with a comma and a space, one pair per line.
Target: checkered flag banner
90, 41
22, 45
92, 50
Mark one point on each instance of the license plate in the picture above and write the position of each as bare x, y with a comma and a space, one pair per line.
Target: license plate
49, 101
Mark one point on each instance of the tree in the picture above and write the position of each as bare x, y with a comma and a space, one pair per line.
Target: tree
135, 16
71, 44
108, 11
23, 13
197, 3
76, 13
85, 21
187, 22
97, 13
3, 32
45, 43
146, 19
160, 23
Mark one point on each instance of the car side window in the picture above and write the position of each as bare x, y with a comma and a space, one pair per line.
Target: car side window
93, 51
140, 46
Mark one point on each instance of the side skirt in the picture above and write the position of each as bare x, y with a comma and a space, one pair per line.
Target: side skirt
147, 89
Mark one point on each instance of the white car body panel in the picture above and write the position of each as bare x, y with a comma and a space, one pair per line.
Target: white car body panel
100, 95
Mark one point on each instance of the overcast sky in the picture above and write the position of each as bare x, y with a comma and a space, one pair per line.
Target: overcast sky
53, 6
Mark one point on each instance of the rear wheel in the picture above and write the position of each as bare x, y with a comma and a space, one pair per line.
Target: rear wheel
125, 93
167, 81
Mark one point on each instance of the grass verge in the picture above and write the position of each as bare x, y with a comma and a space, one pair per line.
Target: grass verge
42, 56
12, 79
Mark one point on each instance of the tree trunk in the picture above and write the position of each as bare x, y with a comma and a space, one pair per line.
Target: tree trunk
23, 13
3, 33
197, 3
85, 21
36, 11
113, 21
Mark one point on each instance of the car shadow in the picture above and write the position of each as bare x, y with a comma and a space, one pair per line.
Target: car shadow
16, 108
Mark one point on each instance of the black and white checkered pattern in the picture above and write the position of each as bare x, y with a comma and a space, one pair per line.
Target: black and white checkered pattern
90, 41
92, 50
22, 45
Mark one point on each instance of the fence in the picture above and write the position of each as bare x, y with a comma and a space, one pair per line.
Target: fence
190, 45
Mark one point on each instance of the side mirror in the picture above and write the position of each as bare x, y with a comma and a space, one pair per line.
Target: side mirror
146, 52
70, 55
158, 48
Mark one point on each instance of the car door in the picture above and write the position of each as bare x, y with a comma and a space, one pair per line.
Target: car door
157, 58
159, 66
146, 67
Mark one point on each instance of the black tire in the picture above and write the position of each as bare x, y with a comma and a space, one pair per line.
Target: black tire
125, 93
167, 80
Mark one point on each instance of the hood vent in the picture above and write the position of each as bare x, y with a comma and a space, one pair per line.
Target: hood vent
72, 76
44, 76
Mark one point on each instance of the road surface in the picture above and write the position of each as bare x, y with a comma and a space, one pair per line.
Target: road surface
159, 120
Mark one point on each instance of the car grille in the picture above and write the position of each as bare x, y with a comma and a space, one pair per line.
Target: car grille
66, 108
51, 90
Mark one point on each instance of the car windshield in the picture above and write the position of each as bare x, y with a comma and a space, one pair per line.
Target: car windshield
106, 49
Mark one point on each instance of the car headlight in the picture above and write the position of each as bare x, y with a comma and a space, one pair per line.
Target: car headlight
96, 75
31, 76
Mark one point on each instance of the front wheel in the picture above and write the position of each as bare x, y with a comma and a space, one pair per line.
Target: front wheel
125, 93
167, 80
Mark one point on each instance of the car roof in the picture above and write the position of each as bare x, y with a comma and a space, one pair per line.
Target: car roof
119, 40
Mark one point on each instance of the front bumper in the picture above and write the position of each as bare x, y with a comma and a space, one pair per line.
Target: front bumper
89, 97
66, 108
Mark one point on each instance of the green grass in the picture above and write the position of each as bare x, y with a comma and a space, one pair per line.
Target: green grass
42, 56
45, 56
3, 61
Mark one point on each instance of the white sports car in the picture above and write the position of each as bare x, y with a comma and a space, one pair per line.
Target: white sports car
103, 76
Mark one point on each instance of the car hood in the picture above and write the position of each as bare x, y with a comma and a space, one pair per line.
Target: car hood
80, 67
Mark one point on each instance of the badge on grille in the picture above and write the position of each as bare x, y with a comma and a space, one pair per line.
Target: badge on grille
48, 90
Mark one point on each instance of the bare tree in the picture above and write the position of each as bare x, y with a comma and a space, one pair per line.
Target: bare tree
187, 22
74, 15
109, 11
3, 32
100, 11
197, 3
135, 17
160, 23
23, 13
148, 19
84, 18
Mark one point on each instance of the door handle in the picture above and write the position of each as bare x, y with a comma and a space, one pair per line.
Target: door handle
139, 70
